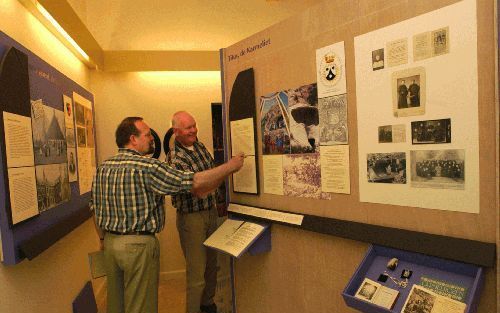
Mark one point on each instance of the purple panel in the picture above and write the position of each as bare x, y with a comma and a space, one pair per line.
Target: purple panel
48, 84
262, 244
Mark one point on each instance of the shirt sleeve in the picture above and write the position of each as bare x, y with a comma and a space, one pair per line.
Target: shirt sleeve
165, 180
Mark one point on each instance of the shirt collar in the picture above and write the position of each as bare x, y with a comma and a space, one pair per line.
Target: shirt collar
129, 151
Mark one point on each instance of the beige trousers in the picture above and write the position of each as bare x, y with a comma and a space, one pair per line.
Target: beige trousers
132, 267
201, 262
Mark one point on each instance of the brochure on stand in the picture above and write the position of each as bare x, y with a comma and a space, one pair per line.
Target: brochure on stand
377, 294
235, 237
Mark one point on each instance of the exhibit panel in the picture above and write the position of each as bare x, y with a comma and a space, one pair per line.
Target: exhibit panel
457, 137
43, 125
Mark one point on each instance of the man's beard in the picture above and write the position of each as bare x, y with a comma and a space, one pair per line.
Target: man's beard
151, 148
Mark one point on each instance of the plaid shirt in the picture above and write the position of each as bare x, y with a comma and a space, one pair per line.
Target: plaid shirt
196, 160
128, 192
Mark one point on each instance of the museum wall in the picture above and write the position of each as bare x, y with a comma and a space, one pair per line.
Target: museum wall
50, 282
155, 96
307, 271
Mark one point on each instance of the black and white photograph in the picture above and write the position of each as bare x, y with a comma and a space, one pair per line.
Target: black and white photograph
388, 168
408, 88
440, 169
274, 123
70, 138
431, 131
378, 59
49, 135
367, 290
52, 185
79, 114
81, 136
441, 41
304, 119
89, 127
72, 167
419, 301
302, 175
333, 120
392, 133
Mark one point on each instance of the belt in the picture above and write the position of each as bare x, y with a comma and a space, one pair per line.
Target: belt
139, 233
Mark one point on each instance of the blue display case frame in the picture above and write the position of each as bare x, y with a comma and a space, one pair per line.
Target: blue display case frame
375, 262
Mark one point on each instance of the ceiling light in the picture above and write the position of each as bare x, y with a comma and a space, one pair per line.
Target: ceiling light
61, 31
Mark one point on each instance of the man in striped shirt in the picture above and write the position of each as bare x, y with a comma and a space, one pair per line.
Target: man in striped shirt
127, 199
196, 216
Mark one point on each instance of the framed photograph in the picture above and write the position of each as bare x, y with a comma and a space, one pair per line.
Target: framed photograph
408, 92
431, 131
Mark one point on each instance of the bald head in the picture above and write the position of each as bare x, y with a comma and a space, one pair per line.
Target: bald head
185, 129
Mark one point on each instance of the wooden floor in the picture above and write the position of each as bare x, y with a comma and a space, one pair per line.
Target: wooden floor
171, 297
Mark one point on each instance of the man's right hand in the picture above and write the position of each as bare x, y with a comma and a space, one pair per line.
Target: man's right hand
236, 162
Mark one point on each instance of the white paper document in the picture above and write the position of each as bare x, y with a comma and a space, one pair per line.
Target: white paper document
18, 140
23, 193
335, 169
234, 237
273, 174
242, 137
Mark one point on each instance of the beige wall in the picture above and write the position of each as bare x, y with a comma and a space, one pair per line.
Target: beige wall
155, 96
50, 282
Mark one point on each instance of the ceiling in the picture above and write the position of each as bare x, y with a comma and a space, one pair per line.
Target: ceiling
187, 25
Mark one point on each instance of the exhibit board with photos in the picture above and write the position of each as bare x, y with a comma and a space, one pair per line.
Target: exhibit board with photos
48, 162
288, 58
378, 122
419, 78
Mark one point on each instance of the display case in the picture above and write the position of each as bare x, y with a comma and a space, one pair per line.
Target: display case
444, 274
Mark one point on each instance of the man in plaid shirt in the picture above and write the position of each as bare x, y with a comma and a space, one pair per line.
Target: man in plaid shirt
196, 216
127, 199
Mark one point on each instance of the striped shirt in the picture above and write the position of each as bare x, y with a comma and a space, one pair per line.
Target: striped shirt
196, 160
128, 192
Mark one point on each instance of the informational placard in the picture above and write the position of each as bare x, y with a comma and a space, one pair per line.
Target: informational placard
23, 193
18, 140
335, 169
273, 174
242, 137
427, 89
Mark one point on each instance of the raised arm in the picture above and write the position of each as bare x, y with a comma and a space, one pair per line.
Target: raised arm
207, 181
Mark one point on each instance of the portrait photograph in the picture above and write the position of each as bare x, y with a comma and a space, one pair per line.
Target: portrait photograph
392, 133
68, 112
367, 290
439, 169
408, 92
431, 131
304, 119
441, 41
387, 168
49, 136
274, 123
81, 136
70, 137
79, 114
378, 59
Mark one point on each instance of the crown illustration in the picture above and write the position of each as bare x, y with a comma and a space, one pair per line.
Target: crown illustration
329, 58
